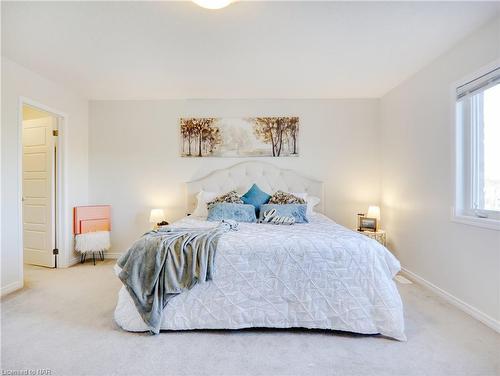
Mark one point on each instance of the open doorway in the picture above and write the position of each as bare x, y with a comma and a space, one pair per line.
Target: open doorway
40, 159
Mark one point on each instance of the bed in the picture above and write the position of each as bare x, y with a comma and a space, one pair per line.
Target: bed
312, 275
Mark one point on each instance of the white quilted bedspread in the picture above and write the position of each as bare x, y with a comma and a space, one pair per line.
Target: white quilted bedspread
315, 275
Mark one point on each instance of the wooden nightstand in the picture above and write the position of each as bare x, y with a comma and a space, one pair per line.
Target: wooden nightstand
379, 236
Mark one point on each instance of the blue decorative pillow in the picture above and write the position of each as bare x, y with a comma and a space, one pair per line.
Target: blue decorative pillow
256, 197
296, 211
235, 212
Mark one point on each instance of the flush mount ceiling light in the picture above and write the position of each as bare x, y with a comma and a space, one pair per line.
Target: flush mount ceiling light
213, 4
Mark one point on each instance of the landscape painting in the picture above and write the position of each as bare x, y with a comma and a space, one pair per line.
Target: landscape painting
240, 137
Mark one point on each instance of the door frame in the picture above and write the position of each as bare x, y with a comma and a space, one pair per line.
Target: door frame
61, 223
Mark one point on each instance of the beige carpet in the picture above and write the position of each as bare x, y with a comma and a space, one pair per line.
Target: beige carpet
63, 321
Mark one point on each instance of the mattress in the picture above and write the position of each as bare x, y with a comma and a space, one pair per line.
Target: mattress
313, 275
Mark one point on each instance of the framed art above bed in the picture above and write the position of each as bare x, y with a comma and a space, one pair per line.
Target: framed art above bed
240, 137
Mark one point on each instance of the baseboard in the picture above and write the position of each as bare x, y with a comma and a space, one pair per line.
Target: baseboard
112, 255
11, 287
467, 308
73, 261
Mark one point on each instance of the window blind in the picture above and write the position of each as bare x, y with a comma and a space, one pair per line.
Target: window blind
479, 84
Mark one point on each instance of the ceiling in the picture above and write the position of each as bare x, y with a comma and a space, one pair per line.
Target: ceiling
160, 50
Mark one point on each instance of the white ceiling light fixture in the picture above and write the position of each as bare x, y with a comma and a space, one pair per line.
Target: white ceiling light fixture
213, 4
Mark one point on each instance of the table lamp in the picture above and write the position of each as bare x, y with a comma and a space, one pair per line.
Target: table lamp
374, 212
156, 216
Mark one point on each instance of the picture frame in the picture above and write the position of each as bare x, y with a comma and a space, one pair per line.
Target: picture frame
268, 136
367, 224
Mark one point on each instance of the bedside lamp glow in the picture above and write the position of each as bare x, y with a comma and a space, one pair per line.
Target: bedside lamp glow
156, 216
374, 212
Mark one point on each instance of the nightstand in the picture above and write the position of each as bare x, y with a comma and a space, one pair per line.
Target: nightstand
379, 236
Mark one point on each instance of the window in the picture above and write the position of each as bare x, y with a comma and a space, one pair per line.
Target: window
478, 148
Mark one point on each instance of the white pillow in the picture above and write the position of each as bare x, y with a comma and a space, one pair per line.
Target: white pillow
311, 201
302, 195
202, 198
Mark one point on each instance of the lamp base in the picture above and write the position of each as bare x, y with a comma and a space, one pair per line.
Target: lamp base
159, 224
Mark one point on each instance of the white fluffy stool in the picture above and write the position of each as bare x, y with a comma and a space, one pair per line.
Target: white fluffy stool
97, 241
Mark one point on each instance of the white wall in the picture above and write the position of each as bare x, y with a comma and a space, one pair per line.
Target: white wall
135, 164
417, 182
19, 82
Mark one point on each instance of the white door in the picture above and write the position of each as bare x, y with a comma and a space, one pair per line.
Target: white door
38, 191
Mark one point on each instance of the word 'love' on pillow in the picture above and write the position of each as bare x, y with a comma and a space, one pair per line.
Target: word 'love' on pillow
271, 217
296, 211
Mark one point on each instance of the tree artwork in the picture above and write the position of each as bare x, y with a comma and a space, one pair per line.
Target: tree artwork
199, 135
293, 132
239, 137
279, 132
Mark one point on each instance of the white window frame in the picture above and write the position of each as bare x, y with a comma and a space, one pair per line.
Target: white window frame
464, 157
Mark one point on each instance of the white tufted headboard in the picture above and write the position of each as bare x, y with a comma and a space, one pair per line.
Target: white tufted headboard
241, 176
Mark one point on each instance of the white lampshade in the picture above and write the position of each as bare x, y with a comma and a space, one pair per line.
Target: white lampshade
373, 212
156, 216
213, 4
